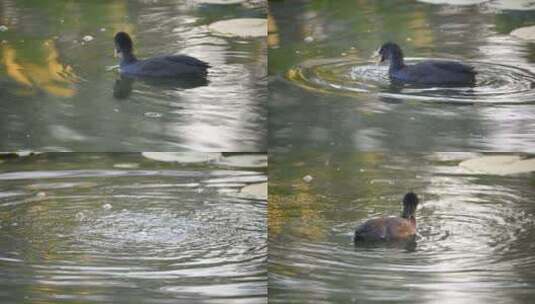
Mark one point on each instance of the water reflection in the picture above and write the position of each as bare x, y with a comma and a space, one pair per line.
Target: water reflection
58, 81
122, 228
320, 74
123, 86
474, 230
52, 77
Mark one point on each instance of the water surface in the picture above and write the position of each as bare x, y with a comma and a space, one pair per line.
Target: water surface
120, 228
60, 88
326, 94
476, 231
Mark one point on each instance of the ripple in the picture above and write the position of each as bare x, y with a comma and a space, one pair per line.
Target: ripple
495, 83
472, 231
110, 229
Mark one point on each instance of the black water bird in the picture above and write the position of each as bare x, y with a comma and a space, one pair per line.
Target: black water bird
429, 72
167, 66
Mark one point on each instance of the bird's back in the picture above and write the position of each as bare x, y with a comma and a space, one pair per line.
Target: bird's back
384, 229
167, 66
437, 72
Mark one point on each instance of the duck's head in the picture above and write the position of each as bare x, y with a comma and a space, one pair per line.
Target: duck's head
123, 44
388, 51
410, 202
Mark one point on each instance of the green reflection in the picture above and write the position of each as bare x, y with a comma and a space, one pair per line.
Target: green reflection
39, 64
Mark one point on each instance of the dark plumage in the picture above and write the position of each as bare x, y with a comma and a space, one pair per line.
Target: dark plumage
391, 228
169, 66
430, 72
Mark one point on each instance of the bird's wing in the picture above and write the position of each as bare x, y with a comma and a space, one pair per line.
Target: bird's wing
167, 66
454, 66
373, 228
153, 64
399, 227
187, 60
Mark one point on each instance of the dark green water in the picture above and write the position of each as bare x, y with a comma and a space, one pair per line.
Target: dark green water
57, 90
326, 94
121, 228
476, 231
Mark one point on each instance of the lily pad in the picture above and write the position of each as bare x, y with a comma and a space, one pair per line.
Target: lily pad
182, 157
18, 154
521, 5
244, 161
256, 190
527, 33
242, 27
126, 165
499, 165
454, 2
220, 1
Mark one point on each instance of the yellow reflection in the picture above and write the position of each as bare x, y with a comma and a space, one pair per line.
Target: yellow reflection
12, 68
302, 205
117, 11
298, 206
47, 77
273, 32
423, 36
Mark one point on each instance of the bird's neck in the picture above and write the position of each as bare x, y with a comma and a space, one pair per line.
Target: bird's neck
128, 58
396, 62
412, 220
407, 213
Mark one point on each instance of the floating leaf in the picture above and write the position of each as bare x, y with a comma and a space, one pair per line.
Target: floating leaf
181, 157
499, 165
242, 27
527, 33
256, 190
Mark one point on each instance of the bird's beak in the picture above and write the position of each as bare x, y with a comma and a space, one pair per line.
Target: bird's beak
377, 57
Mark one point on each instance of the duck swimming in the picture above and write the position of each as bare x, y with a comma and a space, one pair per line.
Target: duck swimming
429, 72
168, 66
391, 228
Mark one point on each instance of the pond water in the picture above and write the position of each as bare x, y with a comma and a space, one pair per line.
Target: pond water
121, 228
326, 93
476, 232
60, 88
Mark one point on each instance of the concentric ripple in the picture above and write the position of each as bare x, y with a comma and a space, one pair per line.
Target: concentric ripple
474, 244
123, 236
495, 83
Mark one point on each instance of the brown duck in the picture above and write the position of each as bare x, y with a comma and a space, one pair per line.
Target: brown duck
392, 227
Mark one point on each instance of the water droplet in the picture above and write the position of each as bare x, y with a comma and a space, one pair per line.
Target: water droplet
126, 165
308, 179
80, 216
152, 114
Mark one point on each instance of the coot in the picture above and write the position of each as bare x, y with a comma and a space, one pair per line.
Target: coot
169, 66
429, 72
391, 228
